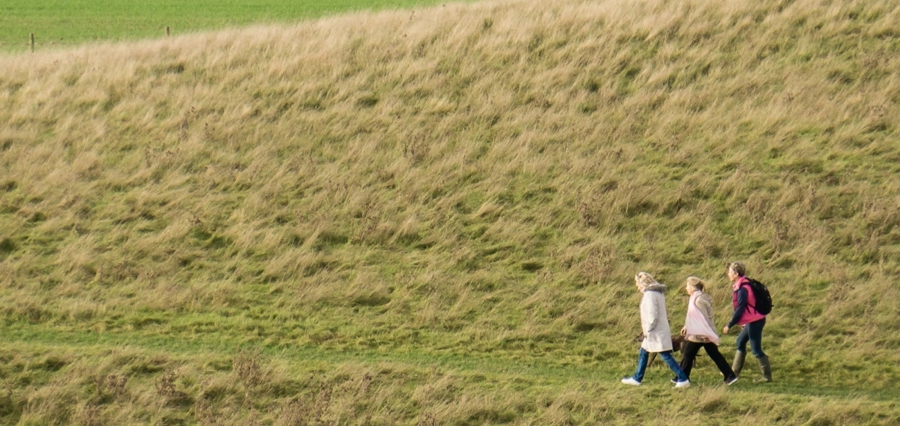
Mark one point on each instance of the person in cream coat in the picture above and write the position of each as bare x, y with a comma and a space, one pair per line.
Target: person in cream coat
657, 334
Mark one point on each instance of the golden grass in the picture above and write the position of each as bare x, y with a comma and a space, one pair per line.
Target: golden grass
478, 182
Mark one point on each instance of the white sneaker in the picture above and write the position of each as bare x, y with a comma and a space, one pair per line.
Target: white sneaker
631, 381
683, 384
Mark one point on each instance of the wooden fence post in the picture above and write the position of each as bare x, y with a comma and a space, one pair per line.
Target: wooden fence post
32, 42
167, 31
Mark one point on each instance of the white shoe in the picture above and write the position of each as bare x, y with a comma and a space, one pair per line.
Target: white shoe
631, 381
684, 384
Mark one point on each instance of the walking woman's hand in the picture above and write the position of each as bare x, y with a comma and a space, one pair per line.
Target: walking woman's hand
725, 330
683, 331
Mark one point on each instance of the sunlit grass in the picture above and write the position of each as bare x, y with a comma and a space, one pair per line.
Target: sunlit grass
435, 217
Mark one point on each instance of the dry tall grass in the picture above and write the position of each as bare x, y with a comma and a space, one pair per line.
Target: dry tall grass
464, 182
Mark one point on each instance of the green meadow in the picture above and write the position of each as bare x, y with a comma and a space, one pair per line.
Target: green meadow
62, 23
434, 217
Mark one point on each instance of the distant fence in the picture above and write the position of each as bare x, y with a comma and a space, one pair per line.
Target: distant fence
31, 42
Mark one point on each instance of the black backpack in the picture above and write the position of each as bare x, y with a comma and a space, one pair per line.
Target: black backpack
763, 298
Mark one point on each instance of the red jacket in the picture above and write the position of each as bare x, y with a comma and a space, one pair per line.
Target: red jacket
743, 300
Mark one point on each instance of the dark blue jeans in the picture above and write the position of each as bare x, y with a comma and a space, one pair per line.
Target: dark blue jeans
666, 356
753, 333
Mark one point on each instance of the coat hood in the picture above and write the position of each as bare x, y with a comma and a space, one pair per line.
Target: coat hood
658, 287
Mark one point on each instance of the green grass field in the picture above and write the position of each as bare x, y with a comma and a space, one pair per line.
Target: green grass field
435, 218
61, 23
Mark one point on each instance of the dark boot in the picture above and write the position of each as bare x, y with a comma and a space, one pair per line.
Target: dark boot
766, 369
738, 363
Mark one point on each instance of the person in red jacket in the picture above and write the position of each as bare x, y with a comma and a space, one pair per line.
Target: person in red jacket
746, 315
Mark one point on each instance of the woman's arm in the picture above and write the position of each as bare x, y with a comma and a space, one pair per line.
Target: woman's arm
741, 307
704, 305
649, 313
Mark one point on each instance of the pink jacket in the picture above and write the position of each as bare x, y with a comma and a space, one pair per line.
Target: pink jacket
749, 315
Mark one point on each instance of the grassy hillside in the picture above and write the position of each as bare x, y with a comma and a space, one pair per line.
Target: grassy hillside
435, 217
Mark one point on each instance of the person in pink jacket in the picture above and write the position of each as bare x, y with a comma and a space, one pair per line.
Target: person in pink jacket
657, 335
745, 314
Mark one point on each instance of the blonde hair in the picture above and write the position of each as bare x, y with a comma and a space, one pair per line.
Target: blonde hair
695, 283
738, 268
644, 279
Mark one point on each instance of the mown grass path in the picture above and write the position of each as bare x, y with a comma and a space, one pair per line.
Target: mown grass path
533, 370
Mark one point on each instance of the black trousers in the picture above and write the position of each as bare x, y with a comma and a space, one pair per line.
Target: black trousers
689, 352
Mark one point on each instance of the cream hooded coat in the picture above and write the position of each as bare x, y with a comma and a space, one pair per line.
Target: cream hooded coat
654, 320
